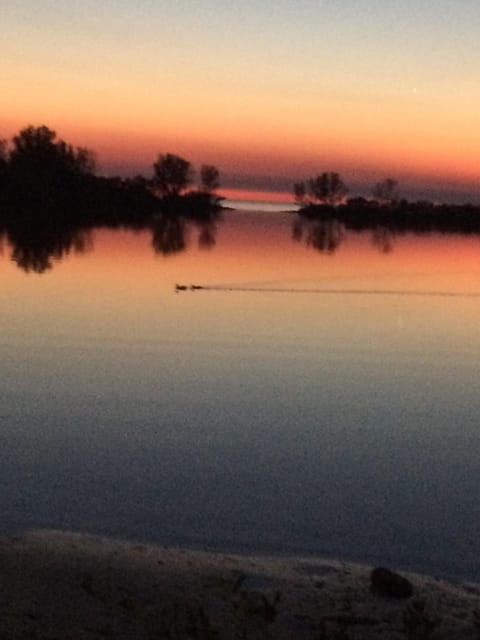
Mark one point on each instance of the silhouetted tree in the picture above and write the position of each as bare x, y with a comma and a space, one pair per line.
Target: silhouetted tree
3, 164
45, 170
327, 188
137, 182
300, 192
37, 147
386, 192
210, 178
3, 151
85, 161
172, 175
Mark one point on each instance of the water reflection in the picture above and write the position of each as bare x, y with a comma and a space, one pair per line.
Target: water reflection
383, 239
37, 242
36, 247
171, 233
125, 406
325, 236
168, 235
207, 237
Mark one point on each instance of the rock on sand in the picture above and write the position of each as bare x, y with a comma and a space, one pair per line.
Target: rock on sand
71, 586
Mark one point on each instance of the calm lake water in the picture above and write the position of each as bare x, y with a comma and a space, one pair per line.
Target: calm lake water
324, 398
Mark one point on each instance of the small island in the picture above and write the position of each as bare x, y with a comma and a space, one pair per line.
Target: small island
42, 176
51, 198
324, 197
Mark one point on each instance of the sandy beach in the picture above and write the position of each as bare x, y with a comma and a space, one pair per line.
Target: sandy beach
59, 585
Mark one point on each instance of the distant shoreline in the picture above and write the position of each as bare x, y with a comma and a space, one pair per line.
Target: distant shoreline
359, 214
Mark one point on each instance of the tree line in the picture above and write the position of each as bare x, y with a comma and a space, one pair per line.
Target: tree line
42, 176
324, 197
39, 170
329, 189
51, 197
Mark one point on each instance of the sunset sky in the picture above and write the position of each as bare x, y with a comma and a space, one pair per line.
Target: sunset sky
268, 91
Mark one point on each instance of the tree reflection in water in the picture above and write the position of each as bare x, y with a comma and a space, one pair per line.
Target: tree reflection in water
325, 236
37, 241
383, 239
35, 247
171, 232
207, 237
169, 235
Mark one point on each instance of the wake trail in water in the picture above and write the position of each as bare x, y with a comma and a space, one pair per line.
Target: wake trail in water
327, 291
